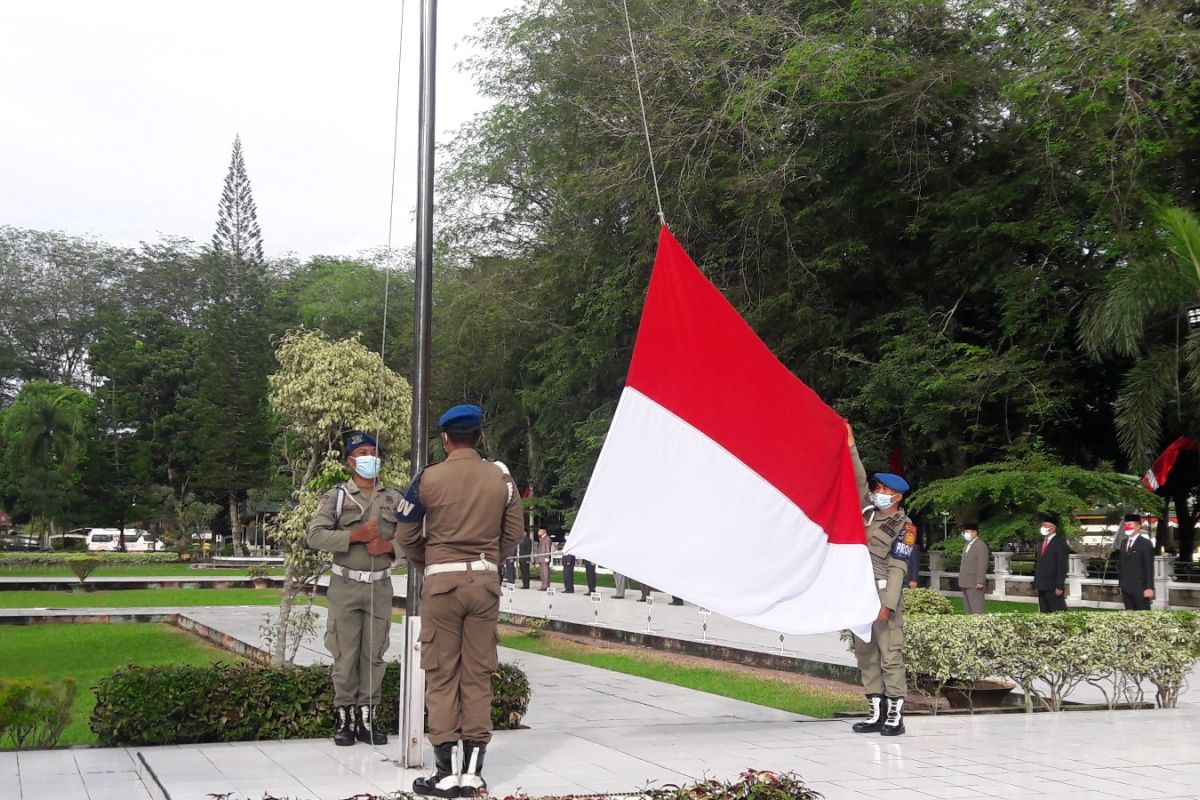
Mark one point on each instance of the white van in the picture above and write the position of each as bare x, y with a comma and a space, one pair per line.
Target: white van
103, 540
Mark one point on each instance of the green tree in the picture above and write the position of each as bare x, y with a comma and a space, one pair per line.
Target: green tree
238, 238
1140, 316
45, 435
323, 389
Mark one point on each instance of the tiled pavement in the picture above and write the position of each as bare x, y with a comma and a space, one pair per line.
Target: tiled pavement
596, 731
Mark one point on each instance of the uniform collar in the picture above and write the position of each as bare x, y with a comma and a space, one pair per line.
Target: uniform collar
352, 487
465, 452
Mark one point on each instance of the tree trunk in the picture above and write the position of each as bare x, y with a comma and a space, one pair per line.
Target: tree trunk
235, 526
1187, 527
286, 600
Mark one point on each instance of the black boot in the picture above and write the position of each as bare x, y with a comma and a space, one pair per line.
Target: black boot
471, 782
894, 724
366, 727
874, 722
344, 735
444, 781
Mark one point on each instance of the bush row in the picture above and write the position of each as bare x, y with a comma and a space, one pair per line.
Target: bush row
1049, 655
246, 702
64, 559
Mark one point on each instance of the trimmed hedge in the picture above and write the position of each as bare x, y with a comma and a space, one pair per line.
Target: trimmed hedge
1049, 655
247, 702
925, 601
57, 559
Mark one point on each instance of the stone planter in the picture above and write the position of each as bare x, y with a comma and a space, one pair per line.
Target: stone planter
980, 694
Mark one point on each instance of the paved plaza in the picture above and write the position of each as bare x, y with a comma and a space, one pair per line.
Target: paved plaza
592, 731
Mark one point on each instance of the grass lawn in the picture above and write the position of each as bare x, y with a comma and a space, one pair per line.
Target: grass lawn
125, 598
813, 701
124, 571
90, 652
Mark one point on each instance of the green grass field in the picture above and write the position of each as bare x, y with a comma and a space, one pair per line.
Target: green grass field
126, 598
124, 571
87, 653
796, 698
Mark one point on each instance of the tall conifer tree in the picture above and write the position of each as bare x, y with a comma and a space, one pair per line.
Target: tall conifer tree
238, 237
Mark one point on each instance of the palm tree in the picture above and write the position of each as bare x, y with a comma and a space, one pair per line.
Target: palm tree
44, 435
1142, 314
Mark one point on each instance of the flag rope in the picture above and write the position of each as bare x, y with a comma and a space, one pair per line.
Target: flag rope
637, 79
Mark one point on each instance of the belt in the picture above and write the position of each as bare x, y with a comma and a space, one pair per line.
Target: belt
362, 576
480, 563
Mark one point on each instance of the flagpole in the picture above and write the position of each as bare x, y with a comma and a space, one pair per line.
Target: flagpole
412, 710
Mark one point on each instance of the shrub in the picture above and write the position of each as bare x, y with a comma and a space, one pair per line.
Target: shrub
259, 570
1049, 655
83, 566
926, 601
35, 711
55, 559
244, 702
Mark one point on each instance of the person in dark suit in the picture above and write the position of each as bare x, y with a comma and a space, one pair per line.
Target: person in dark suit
1136, 568
524, 557
912, 578
1050, 570
972, 574
589, 568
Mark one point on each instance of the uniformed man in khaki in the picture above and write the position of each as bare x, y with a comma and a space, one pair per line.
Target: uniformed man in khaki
460, 518
355, 521
890, 539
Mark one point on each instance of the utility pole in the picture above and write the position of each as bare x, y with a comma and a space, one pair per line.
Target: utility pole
412, 702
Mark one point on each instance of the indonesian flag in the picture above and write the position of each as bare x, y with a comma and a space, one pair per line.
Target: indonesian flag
724, 480
1177, 470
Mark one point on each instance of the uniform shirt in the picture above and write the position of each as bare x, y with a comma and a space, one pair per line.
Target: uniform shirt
333, 535
471, 508
890, 567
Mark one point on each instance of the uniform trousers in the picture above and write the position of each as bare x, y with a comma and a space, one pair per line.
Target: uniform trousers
356, 634
544, 565
459, 613
590, 570
1135, 601
619, 581
523, 566
973, 602
1049, 602
881, 660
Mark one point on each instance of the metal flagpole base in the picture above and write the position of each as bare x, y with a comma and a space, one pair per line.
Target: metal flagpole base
412, 697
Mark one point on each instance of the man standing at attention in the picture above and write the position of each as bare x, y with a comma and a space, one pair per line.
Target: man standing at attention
890, 538
1050, 570
972, 574
1136, 567
460, 518
354, 521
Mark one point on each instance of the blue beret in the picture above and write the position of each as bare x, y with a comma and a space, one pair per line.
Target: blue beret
357, 439
466, 416
894, 482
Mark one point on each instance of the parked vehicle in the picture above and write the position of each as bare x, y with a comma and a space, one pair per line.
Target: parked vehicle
100, 540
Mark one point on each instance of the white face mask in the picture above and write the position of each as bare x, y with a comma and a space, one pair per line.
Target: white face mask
1047, 531
367, 466
882, 501
967, 537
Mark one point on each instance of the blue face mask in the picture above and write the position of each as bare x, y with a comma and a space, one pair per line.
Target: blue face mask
367, 466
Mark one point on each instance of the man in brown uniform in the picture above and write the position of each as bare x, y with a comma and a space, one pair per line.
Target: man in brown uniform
890, 538
460, 518
355, 522
972, 573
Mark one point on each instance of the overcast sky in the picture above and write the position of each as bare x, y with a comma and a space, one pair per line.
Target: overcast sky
118, 117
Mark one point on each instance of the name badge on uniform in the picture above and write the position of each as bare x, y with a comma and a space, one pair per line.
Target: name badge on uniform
903, 544
409, 509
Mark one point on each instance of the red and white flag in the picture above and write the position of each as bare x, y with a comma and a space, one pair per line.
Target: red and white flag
724, 480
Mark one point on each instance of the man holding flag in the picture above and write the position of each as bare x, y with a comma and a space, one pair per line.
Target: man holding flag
890, 539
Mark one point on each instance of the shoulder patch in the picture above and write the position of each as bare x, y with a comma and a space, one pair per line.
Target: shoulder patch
408, 507
324, 501
902, 548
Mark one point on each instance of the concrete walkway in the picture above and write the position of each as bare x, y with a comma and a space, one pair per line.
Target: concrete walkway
593, 731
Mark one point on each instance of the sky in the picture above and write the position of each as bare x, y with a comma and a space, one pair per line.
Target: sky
119, 117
